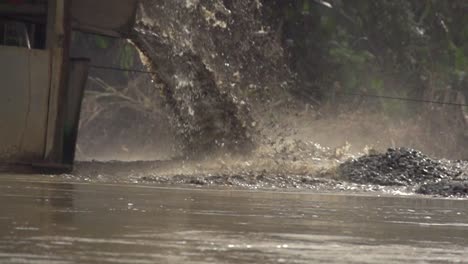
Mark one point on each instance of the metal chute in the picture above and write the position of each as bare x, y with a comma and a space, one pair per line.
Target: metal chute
41, 86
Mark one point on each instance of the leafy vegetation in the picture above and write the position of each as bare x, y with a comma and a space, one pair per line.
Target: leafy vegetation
401, 48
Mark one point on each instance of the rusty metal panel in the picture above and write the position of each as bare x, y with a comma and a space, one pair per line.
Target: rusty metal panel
106, 17
57, 44
78, 76
24, 76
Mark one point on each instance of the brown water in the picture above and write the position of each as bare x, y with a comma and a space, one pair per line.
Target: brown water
43, 220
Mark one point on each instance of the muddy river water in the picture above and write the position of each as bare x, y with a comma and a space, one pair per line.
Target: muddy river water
45, 220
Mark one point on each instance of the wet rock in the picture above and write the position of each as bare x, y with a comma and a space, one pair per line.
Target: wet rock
445, 188
400, 166
197, 181
248, 180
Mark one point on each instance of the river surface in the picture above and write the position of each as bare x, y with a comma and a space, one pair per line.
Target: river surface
46, 220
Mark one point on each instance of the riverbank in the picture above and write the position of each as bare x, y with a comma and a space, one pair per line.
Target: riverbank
301, 167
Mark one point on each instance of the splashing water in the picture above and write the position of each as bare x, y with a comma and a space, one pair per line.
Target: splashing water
224, 77
212, 62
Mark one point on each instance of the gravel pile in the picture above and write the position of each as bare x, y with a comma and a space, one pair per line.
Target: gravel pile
248, 180
402, 167
445, 188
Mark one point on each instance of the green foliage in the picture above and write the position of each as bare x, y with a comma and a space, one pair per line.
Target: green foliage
102, 42
127, 56
461, 60
306, 7
385, 47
